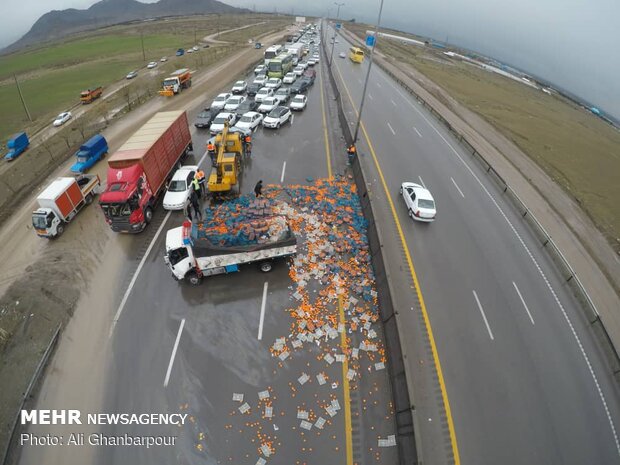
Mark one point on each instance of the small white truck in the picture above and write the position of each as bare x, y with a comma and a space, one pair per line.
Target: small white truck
191, 257
61, 201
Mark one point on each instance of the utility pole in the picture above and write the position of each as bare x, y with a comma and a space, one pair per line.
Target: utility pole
194, 34
359, 116
331, 56
142, 41
21, 97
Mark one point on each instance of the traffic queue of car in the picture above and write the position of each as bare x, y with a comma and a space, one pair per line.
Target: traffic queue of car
266, 102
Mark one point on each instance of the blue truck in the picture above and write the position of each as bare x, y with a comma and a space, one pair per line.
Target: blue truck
90, 153
16, 145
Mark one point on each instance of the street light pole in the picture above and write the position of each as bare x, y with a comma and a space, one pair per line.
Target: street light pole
359, 116
331, 56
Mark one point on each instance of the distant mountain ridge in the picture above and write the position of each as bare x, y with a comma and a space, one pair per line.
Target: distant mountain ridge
60, 23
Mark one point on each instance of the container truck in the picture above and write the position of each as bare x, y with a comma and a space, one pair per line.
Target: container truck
139, 170
172, 85
61, 201
191, 254
16, 145
89, 95
90, 153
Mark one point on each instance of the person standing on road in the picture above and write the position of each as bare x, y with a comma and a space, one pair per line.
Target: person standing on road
211, 150
258, 188
194, 199
248, 144
196, 186
187, 210
201, 182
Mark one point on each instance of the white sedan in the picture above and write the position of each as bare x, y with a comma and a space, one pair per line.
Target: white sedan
269, 103
263, 94
180, 188
259, 68
299, 70
419, 201
239, 87
249, 121
273, 83
62, 118
316, 57
342, 55
233, 102
289, 78
299, 102
220, 101
277, 117
261, 79
151, 65
218, 123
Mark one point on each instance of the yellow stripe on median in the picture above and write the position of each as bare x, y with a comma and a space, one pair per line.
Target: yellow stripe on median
327, 152
345, 387
416, 284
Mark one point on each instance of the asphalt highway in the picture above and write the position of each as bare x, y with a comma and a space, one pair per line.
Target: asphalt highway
525, 379
181, 349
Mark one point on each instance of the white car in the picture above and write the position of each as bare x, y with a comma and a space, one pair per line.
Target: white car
151, 65
311, 62
233, 102
190, 50
195, 48
316, 57
289, 78
249, 121
220, 101
273, 83
259, 68
131, 75
299, 102
419, 201
62, 118
277, 117
261, 79
239, 87
180, 188
218, 123
342, 55
269, 103
163, 59
283, 93
304, 65
299, 70
262, 94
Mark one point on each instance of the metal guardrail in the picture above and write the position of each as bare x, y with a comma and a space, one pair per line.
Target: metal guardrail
563, 266
26, 396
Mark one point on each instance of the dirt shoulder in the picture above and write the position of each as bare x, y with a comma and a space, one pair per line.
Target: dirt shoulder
583, 245
41, 281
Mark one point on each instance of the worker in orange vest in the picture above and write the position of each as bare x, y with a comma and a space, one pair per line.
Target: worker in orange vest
200, 175
248, 144
211, 150
351, 151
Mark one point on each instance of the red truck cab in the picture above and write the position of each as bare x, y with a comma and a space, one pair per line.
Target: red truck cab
138, 171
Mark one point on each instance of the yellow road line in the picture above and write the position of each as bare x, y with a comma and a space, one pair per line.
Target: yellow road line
327, 152
416, 284
345, 388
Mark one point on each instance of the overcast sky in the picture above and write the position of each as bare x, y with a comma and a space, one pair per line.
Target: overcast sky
572, 43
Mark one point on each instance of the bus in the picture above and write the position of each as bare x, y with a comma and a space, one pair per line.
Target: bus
356, 54
279, 66
272, 52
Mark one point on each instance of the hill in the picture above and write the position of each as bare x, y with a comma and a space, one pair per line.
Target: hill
60, 23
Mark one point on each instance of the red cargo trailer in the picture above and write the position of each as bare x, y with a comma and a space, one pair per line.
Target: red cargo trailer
138, 171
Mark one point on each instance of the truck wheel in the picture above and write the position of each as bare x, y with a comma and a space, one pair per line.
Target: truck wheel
265, 267
193, 278
60, 229
88, 199
148, 215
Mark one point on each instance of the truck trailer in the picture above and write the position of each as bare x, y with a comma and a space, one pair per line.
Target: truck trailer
139, 170
60, 202
191, 254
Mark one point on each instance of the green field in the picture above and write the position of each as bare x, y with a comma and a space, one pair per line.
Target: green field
578, 150
52, 76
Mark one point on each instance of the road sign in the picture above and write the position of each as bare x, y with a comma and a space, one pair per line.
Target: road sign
370, 41
338, 25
